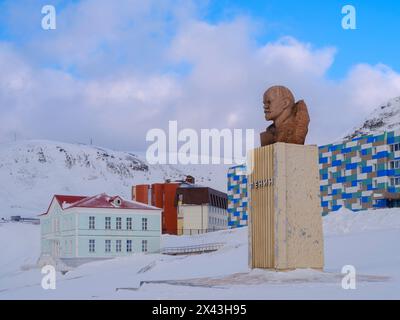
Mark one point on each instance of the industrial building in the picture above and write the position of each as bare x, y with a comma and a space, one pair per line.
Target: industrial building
361, 173
162, 195
237, 197
201, 209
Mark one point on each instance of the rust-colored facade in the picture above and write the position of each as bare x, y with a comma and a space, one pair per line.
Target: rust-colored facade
161, 195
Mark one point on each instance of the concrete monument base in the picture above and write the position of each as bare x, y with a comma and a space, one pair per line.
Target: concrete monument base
285, 222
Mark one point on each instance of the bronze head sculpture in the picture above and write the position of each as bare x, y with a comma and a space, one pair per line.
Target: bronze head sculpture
290, 118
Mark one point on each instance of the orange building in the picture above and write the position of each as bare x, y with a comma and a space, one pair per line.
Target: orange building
162, 195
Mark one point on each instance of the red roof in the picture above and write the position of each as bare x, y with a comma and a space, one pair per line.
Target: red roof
99, 201
68, 199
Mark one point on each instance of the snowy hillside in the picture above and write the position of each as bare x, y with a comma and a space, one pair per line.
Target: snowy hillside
32, 171
366, 240
384, 118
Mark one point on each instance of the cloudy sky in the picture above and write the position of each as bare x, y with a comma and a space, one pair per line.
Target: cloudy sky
112, 70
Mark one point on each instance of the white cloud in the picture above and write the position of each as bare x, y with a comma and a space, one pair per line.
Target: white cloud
296, 57
112, 71
370, 85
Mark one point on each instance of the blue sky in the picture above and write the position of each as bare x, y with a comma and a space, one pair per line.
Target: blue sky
117, 69
319, 22
314, 21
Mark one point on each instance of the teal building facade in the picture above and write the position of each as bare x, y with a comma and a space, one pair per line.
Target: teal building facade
80, 229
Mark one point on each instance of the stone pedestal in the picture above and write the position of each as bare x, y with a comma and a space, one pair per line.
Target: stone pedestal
285, 222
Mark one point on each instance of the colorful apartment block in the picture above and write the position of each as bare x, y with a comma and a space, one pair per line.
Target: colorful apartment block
361, 173
237, 197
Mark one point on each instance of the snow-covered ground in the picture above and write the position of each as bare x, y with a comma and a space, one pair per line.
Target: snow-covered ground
368, 240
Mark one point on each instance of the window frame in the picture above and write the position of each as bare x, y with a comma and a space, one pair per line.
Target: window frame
128, 245
118, 223
118, 245
107, 223
395, 147
144, 245
129, 223
394, 164
144, 224
394, 181
107, 245
92, 223
92, 245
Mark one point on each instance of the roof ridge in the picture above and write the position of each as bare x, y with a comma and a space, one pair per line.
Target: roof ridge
103, 200
80, 201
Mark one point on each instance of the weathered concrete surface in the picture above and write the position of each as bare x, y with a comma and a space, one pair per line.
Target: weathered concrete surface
293, 213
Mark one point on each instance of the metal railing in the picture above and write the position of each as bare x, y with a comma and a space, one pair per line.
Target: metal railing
193, 232
196, 249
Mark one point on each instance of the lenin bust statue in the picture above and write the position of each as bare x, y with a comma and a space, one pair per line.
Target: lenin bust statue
290, 118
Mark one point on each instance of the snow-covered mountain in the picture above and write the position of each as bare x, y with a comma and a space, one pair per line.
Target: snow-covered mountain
31, 172
384, 118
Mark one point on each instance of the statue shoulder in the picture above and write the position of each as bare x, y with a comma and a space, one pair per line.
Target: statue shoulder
271, 128
302, 111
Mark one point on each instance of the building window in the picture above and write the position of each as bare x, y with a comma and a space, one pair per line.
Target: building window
395, 181
394, 147
144, 245
92, 245
144, 224
91, 223
395, 164
128, 245
118, 246
119, 223
129, 223
108, 222
108, 245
